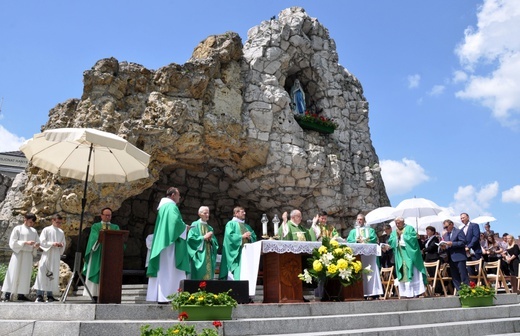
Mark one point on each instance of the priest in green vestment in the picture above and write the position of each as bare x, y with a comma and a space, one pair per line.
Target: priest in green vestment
169, 261
409, 264
93, 252
362, 233
321, 228
202, 247
237, 234
293, 230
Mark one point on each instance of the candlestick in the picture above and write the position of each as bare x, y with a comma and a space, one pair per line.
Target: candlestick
276, 220
264, 221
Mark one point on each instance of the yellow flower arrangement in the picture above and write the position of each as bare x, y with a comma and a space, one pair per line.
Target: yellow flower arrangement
333, 261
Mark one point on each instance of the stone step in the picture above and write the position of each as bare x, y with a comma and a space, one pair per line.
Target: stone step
391, 317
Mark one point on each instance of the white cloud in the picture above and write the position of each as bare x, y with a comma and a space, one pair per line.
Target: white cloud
9, 141
474, 202
512, 195
437, 90
459, 76
494, 45
413, 81
401, 176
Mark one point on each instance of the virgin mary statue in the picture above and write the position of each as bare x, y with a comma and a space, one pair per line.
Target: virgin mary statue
298, 98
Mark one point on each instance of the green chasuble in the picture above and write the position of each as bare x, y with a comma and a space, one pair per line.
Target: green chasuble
297, 232
232, 248
168, 228
327, 231
203, 254
369, 235
407, 257
95, 262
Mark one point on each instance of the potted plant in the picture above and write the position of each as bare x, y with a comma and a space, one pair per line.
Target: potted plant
202, 305
180, 329
316, 122
335, 266
475, 296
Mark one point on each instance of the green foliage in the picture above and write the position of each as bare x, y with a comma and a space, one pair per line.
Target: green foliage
180, 329
475, 291
3, 270
317, 119
201, 298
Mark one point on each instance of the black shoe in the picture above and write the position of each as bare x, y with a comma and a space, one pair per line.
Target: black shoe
94, 299
50, 299
39, 298
305, 300
163, 302
22, 297
7, 297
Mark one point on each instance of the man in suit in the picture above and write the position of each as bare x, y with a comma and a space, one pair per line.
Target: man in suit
472, 233
454, 243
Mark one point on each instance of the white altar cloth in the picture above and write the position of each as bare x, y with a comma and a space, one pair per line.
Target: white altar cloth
250, 260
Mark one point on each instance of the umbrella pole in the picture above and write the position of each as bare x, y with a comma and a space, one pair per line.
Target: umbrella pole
78, 256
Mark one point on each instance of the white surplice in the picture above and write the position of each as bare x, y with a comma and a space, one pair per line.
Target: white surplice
18, 276
50, 259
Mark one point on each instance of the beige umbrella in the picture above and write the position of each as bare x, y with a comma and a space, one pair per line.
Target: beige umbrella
86, 154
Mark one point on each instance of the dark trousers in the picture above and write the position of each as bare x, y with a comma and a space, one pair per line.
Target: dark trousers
459, 273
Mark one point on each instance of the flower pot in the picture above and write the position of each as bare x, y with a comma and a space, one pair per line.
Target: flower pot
332, 290
205, 313
476, 301
315, 127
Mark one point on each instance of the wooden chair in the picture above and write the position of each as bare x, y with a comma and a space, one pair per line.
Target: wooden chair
496, 277
435, 279
388, 282
479, 278
446, 279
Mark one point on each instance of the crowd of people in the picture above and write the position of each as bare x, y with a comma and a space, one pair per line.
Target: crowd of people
178, 251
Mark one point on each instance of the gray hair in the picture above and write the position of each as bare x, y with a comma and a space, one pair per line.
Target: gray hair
202, 208
294, 212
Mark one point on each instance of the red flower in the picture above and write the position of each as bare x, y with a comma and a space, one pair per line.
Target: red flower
179, 290
183, 316
202, 285
217, 324
472, 284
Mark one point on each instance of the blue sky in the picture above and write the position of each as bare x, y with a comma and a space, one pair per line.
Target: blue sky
442, 78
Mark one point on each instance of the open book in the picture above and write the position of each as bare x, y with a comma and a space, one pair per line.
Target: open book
441, 243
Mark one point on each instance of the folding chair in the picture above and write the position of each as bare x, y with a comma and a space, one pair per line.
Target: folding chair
447, 280
436, 278
497, 277
479, 278
388, 282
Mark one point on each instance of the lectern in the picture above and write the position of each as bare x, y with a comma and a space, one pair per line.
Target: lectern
111, 273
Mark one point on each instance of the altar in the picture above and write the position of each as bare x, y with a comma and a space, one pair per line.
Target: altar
283, 263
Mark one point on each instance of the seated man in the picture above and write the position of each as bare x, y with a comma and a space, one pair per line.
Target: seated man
293, 230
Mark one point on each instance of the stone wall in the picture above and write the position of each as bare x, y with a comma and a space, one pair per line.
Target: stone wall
221, 128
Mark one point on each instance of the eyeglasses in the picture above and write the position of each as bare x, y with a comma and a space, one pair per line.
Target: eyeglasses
447, 226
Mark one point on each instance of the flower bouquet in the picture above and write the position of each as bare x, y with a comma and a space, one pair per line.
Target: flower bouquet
475, 296
333, 262
203, 305
316, 122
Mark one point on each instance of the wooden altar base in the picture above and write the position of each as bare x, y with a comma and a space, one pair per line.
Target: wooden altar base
281, 282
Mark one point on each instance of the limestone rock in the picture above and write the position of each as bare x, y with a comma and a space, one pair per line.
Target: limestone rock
221, 128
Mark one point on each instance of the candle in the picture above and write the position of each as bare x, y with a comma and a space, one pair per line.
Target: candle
264, 221
275, 222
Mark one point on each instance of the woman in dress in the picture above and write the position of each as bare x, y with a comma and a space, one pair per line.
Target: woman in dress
511, 257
